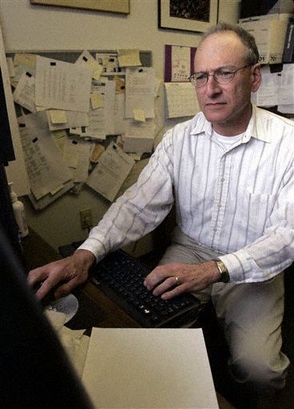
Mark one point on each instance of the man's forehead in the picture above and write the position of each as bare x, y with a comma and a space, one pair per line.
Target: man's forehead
220, 40
219, 50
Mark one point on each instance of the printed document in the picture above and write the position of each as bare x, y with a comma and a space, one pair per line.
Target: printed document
63, 85
140, 91
111, 171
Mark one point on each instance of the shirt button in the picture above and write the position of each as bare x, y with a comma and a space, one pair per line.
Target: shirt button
223, 179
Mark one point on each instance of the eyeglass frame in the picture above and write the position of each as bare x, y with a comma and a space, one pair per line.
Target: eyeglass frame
233, 72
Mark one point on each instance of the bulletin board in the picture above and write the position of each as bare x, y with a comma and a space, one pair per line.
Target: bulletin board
72, 55
56, 165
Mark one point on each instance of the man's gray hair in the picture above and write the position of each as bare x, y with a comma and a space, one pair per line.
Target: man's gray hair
247, 39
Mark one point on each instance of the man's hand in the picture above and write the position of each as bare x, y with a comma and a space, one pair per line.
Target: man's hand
65, 274
172, 279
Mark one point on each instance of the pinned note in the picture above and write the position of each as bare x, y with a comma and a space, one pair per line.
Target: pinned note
113, 168
58, 116
139, 115
129, 58
86, 58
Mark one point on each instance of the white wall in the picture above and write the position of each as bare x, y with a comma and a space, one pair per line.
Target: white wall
28, 27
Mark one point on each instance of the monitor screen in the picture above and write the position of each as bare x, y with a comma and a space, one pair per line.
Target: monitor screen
35, 370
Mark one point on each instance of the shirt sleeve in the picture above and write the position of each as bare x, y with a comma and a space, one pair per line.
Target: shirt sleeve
274, 251
139, 210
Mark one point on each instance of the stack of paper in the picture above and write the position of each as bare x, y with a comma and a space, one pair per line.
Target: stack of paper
149, 368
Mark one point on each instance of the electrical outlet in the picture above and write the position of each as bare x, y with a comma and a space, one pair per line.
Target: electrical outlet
86, 218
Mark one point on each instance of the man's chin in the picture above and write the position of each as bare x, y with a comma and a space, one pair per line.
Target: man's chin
214, 117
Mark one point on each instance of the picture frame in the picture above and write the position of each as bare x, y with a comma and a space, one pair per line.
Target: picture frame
113, 6
199, 19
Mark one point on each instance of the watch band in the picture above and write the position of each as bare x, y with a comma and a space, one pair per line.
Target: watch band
225, 277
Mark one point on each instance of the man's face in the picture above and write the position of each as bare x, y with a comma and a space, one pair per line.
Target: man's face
227, 106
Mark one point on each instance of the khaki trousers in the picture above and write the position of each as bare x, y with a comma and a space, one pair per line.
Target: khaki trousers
250, 315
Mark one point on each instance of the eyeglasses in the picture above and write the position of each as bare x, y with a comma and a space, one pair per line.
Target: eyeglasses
221, 75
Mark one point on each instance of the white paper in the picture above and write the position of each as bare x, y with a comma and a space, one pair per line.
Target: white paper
87, 59
139, 136
46, 169
34, 120
109, 61
73, 120
23, 62
96, 127
267, 94
63, 85
104, 114
277, 89
109, 103
117, 126
111, 171
180, 69
48, 199
76, 154
148, 368
140, 91
181, 99
24, 93
286, 92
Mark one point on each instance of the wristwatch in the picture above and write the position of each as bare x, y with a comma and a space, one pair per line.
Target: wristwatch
225, 277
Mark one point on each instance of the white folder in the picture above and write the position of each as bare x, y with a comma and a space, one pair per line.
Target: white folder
149, 368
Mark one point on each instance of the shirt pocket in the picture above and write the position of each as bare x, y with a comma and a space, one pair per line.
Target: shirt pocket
260, 207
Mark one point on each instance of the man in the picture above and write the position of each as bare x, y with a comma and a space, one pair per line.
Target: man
229, 172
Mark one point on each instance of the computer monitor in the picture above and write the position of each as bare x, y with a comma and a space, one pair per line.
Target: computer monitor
6, 151
35, 370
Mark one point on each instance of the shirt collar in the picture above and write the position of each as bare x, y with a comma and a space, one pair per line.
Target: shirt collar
255, 129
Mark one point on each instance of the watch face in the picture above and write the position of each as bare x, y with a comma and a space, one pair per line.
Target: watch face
225, 278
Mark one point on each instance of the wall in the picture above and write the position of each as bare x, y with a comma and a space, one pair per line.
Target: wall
29, 27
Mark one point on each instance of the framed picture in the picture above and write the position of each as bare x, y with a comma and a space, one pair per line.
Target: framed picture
114, 6
187, 15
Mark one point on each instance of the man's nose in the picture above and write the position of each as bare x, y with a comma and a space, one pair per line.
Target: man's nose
212, 86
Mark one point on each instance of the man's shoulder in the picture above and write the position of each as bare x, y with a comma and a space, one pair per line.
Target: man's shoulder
273, 117
192, 125
272, 126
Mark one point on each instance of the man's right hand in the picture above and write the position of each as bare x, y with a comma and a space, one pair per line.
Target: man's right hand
64, 274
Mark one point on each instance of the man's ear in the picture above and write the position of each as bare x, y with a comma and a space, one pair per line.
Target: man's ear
256, 77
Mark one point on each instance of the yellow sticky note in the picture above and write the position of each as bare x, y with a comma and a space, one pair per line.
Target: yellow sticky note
139, 115
58, 116
96, 100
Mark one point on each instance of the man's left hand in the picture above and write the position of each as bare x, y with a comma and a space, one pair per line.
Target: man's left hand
170, 280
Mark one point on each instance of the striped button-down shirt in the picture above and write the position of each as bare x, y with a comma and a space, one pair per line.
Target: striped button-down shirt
237, 200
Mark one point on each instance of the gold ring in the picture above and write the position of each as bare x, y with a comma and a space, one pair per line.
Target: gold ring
177, 280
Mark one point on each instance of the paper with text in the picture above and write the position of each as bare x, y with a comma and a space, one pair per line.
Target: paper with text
62, 85
86, 58
180, 63
140, 91
76, 154
46, 169
24, 93
111, 171
181, 99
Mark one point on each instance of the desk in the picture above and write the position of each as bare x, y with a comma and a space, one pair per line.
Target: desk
95, 308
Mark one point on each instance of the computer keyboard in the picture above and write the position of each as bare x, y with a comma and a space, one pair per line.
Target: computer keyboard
121, 277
